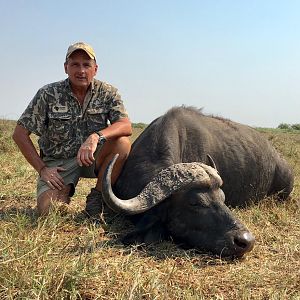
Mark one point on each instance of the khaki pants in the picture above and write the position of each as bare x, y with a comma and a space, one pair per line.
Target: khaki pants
70, 176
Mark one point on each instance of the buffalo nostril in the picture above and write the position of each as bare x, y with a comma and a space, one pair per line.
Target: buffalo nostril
240, 243
244, 242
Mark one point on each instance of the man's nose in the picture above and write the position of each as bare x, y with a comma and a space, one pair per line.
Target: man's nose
81, 69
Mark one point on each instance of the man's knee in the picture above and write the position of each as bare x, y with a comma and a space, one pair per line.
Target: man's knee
45, 200
122, 146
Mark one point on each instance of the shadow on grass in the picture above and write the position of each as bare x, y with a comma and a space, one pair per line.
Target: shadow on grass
7, 214
113, 228
116, 227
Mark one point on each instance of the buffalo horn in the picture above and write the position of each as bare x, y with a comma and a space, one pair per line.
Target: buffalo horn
166, 182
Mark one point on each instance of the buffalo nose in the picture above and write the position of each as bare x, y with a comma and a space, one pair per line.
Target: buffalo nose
243, 243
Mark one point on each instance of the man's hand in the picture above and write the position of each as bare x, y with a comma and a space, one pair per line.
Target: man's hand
85, 155
52, 177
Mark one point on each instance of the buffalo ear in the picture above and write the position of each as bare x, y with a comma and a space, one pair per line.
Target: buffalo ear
134, 237
149, 230
148, 236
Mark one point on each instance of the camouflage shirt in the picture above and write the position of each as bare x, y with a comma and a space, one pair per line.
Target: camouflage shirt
62, 124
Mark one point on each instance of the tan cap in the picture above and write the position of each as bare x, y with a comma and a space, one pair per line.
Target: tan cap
81, 46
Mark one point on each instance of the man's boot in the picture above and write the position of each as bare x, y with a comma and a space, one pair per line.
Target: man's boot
94, 203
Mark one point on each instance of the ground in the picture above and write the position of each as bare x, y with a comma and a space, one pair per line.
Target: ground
63, 256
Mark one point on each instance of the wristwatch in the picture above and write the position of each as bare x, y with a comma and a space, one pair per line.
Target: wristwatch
102, 138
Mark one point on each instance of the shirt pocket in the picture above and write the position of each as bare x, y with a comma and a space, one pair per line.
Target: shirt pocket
59, 126
96, 119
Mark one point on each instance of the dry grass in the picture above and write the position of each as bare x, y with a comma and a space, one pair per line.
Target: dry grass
64, 257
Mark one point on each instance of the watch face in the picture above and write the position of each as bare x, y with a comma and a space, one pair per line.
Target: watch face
101, 140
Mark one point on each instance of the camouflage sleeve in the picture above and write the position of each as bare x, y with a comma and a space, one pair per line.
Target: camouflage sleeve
116, 110
34, 116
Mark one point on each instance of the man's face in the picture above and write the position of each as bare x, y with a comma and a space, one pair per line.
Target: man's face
81, 69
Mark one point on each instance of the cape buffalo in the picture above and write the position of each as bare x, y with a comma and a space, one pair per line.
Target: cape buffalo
167, 183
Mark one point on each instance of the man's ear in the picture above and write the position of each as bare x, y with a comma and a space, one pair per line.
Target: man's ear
96, 69
65, 67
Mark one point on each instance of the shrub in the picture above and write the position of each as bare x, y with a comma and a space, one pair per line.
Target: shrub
284, 126
139, 125
296, 126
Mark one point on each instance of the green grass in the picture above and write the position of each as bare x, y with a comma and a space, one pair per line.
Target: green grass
62, 256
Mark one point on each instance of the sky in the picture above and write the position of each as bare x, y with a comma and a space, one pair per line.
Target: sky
236, 59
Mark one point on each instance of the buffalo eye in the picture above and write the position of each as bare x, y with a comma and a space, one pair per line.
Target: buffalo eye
199, 199
194, 202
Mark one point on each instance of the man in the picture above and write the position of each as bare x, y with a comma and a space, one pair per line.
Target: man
71, 119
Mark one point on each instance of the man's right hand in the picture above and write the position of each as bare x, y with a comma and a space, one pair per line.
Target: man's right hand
52, 178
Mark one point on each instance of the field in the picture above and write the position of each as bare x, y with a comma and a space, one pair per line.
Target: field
62, 256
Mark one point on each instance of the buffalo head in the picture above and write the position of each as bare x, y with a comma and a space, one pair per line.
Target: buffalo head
192, 209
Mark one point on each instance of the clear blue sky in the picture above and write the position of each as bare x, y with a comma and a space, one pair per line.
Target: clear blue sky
237, 59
